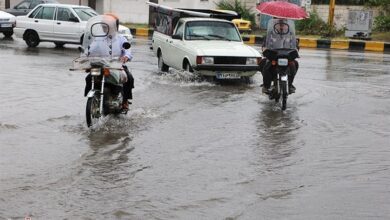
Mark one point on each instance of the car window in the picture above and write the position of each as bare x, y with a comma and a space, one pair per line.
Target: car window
215, 30
63, 14
180, 29
23, 5
85, 13
35, 12
46, 13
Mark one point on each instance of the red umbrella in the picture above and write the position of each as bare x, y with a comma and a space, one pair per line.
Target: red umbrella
282, 9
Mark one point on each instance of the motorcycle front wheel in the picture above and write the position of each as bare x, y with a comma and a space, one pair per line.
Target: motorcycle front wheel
283, 86
92, 112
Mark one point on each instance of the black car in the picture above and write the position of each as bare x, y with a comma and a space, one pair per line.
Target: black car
25, 6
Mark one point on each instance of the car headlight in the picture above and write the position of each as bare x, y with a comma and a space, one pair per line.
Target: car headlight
251, 61
207, 60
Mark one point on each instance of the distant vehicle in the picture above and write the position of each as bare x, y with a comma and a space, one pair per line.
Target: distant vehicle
243, 25
7, 24
26, 6
58, 23
207, 46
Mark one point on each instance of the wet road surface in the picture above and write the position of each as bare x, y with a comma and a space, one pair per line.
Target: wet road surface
190, 149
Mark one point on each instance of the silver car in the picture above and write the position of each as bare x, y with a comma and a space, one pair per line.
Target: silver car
7, 24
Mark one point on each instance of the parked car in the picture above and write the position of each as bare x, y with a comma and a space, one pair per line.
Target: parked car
243, 25
58, 23
7, 24
208, 46
26, 6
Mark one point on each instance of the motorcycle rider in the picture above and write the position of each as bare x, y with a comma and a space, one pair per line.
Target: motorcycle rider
98, 47
280, 34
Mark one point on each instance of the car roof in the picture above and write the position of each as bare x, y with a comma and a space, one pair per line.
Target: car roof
65, 5
204, 19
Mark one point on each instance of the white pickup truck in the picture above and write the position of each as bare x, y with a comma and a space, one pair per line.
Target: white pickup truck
207, 46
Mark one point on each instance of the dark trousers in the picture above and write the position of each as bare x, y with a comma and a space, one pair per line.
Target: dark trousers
268, 72
127, 86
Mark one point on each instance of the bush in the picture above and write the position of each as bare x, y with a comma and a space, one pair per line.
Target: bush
240, 8
314, 25
382, 23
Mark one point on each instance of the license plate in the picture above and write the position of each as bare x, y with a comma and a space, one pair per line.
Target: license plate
5, 25
282, 62
228, 76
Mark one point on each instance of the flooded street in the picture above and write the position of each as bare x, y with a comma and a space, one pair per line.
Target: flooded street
191, 149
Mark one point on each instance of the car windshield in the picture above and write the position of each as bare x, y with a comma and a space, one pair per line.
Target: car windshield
211, 30
85, 13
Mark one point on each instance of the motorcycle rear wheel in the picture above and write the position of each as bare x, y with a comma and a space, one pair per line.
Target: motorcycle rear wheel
92, 111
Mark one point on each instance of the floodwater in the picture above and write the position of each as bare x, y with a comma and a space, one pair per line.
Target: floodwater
192, 149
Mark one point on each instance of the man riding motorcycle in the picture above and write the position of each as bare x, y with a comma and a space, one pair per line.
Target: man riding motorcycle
280, 34
98, 47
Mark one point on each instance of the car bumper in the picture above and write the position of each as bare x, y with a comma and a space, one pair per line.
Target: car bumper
6, 29
214, 70
19, 32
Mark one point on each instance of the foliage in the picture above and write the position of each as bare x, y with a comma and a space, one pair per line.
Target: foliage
381, 22
314, 25
238, 7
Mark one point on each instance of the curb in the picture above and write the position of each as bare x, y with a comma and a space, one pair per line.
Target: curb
352, 45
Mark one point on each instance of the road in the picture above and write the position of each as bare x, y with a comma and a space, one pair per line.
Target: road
192, 149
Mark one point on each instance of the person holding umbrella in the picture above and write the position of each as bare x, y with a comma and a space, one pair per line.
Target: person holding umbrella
280, 34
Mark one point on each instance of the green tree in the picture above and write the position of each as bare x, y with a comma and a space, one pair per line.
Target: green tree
238, 7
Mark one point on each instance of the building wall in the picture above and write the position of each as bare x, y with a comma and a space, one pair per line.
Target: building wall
340, 14
2, 4
15, 2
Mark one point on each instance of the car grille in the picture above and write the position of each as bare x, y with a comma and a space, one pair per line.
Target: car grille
4, 19
230, 60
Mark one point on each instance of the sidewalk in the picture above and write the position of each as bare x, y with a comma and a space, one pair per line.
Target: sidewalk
355, 45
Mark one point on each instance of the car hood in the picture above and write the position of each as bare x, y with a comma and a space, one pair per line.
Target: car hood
5, 15
222, 48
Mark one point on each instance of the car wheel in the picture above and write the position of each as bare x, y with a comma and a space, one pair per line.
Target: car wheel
32, 39
59, 44
188, 67
161, 65
8, 34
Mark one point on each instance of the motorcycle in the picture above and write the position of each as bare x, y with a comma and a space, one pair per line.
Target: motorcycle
106, 77
281, 61
281, 52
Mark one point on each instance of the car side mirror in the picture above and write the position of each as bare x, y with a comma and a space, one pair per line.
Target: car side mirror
177, 37
126, 45
245, 38
73, 19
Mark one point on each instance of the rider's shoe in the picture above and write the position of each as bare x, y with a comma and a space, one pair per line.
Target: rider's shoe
265, 90
125, 106
291, 89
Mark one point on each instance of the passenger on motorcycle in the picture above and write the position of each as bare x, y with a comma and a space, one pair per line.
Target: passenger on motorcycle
280, 34
110, 44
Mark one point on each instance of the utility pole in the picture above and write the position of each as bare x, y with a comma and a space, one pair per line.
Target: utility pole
332, 4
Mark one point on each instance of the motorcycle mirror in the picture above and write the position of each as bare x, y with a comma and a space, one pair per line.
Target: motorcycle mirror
126, 45
81, 50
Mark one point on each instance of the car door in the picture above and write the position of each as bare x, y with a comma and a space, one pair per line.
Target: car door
66, 25
175, 47
43, 23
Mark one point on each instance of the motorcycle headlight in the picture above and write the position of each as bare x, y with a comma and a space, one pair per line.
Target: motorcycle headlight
95, 72
207, 60
251, 61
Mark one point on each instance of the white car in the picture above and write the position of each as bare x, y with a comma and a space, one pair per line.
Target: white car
7, 23
58, 23
208, 46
